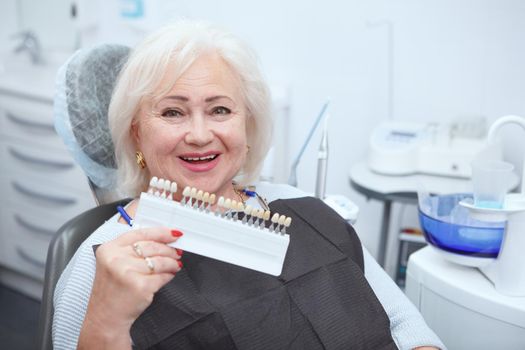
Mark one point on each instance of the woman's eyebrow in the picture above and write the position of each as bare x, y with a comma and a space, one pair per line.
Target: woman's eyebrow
176, 97
214, 98
186, 99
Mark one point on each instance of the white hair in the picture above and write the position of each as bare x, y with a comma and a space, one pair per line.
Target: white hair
182, 43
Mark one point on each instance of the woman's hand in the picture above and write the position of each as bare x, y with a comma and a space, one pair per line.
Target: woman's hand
129, 271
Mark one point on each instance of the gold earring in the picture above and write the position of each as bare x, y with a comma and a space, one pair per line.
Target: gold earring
140, 159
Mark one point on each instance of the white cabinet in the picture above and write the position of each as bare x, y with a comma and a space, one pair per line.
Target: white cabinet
40, 188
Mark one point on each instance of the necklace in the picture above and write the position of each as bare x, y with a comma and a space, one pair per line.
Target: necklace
239, 194
250, 192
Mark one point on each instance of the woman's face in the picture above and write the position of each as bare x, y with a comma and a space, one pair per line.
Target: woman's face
196, 134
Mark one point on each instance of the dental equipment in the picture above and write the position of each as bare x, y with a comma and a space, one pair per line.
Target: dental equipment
507, 272
405, 148
494, 129
292, 180
488, 238
322, 163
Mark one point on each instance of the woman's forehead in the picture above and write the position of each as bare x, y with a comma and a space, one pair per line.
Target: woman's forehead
207, 77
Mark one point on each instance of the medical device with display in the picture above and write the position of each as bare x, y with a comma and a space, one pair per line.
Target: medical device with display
404, 148
230, 231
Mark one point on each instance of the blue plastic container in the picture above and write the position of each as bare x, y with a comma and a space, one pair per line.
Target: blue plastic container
448, 226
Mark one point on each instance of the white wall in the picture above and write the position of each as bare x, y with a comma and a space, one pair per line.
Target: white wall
450, 58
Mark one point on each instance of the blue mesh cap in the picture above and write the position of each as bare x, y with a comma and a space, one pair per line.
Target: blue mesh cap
84, 86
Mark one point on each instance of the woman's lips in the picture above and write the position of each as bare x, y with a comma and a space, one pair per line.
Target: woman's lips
200, 165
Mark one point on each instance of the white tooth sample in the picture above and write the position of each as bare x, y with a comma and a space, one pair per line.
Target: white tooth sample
152, 184
228, 203
248, 210
233, 205
173, 188
206, 197
240, 207
220, 203
266, 215
281, 219
199, 195
288, 222
275, 218
254, 212
193, 192
185, 195
260, 214
212, 199
160, 184
153, 181
167, 185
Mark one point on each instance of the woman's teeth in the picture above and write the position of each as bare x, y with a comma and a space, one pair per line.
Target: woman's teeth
199, 159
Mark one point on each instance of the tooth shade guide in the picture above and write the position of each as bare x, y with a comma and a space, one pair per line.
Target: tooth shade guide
261, 249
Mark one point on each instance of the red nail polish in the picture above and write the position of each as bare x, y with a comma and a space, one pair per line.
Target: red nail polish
179, 252
180, 263
176, 233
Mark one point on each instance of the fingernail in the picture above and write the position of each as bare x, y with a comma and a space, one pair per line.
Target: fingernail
176, 233
180, 263
179, 251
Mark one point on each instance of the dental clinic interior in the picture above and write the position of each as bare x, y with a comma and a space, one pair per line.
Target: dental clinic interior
405, 117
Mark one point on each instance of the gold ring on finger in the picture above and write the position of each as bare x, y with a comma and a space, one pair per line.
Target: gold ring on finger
151, 265
137, 250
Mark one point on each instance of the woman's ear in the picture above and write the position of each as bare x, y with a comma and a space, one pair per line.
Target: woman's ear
134, 131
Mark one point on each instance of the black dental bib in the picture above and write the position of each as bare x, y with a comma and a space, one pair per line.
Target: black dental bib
321, 300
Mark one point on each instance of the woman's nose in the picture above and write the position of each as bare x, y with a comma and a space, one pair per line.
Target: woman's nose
200, 133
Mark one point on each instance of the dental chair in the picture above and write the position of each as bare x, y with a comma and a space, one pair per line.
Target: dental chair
83, 91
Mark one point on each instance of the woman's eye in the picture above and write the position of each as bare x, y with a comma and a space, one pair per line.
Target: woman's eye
171, 113
221, 110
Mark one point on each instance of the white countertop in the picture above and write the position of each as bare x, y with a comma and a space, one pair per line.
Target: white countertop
362, 175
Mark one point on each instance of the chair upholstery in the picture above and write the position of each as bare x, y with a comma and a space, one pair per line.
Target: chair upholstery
62, 247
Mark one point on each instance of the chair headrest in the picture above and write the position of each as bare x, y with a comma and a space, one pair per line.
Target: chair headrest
84, 86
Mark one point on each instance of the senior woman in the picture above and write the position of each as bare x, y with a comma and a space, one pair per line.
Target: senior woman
191, 105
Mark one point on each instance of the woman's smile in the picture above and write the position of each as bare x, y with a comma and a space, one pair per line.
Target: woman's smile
200, 162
